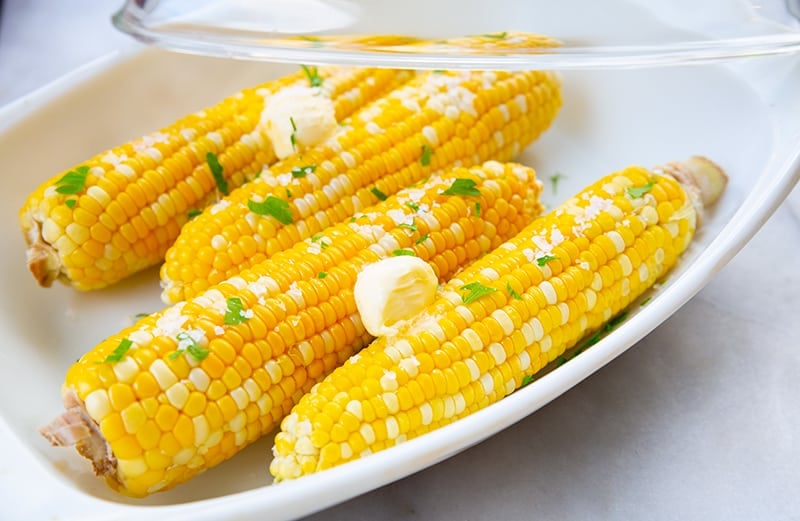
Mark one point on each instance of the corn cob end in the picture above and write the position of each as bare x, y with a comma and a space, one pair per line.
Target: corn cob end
43, 261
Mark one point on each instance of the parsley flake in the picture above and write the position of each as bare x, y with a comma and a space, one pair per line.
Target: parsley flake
646, 301
73, 182
273, 207
462, 186
615, 321
404, 251
322, 274
302, 171
544, 259
292, 137
477, 209
555, 178
475, 290
71, 203
194, 349
413, 206
377, 193
314, 79
427, 152
235, 313
636, 192
119, 352
194, 212
216, 171
422, 239
496, 36
513, 294
527, 379
412, 226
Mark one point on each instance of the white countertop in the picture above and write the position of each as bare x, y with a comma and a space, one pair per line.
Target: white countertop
669, 430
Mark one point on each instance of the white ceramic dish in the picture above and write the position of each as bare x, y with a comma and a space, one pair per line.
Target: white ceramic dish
745, 115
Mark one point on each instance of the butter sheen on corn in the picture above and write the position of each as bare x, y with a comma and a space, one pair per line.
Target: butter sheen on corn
159, 415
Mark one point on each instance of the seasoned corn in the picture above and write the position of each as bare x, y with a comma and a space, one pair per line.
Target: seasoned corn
501, 319
118, 212
186, 388
436, 121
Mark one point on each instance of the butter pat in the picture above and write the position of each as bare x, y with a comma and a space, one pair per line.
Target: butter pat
297, 118
392, 290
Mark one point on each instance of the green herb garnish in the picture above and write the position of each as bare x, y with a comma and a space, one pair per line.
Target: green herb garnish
71, 203
194, 212
404, 251
302, 171
496, 36
273, 207
313, 75
646, 301
427, 152
513, 294
216, 171
477, 209
422, 239
555, 178
544, 259
194, 349
615, 321
413, 206
235, 314
527, 379
412, 226
73, 182
636, 192
292, 138
119, 352
377, 193
461, 186
322, 274
475, 291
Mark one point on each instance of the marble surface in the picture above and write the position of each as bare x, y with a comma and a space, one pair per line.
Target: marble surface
700, 420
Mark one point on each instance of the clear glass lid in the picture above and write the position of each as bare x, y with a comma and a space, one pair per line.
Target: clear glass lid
502, 34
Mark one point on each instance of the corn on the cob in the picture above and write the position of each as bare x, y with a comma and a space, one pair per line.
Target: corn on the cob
435, 121
505, 316
186, 388
118, 212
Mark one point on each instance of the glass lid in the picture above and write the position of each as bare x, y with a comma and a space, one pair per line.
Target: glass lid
500, 34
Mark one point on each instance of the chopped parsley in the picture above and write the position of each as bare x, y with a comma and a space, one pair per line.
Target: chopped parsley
292, 137
555, 178
288, 194
413, 206
636, 192
194, 212
73, 182
404, 251
194, 349
71, 202
216, 171
302, 171
615, 321
646, 301
513, 294
412, 226
425, 158
315, 42
119, 352
314, 79
544, 259
273, 207
527, 379
477, 209
462, 186
475, 290
377, 193
322, 274
422, 239
139, 316
496, 36
235, 313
